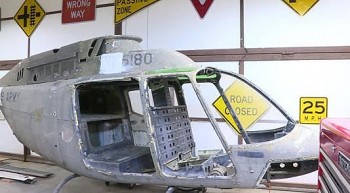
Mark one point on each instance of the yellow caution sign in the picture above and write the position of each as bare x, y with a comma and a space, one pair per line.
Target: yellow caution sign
29, 16
313, 109
125, 8
248, 105
301, 6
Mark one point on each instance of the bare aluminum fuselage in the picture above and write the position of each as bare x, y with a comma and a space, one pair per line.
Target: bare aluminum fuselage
73, 106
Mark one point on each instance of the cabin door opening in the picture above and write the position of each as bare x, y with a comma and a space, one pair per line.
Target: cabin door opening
107, 130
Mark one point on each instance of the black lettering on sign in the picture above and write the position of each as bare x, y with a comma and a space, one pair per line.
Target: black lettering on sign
292, 1
128, 2
313, 118
243, 111
241, 99
246, 111
319, 107
227, 112
124, 10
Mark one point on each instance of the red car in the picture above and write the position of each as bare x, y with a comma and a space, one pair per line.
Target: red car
334, 162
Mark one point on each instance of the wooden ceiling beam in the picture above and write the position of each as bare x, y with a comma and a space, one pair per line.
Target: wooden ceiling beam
252, 54
8, 64
269, 54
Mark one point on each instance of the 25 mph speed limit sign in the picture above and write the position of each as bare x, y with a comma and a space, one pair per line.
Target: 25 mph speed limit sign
312, 109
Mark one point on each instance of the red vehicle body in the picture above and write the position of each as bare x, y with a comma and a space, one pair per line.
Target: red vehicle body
334, 161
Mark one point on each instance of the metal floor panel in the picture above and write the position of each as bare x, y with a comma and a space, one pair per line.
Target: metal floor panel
25, 171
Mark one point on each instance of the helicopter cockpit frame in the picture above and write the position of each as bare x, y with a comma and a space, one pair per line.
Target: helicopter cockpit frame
157, 141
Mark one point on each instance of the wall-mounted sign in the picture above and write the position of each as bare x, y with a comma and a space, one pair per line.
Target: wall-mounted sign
125, 8
248, 105
78, 10
202, 6
312, 109
29, 16
301, 6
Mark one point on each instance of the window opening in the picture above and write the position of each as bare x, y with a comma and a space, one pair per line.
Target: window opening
92, 47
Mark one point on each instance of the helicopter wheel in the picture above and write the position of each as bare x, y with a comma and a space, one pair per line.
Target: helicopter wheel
170, 189
107, 183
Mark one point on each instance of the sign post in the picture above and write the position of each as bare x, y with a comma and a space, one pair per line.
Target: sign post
28, 18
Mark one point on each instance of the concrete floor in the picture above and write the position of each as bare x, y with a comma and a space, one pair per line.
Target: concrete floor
87, 185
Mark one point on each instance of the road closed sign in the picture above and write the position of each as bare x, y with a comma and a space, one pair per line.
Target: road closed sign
248, 105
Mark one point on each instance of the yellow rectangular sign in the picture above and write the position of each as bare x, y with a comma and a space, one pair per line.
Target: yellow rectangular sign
125, 8
248, 105
312, 109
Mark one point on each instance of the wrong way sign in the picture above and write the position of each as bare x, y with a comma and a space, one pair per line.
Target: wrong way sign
78, 10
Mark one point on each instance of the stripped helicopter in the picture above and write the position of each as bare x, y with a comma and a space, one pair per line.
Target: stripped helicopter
106, 109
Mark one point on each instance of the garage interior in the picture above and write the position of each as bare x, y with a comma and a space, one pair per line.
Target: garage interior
287, 53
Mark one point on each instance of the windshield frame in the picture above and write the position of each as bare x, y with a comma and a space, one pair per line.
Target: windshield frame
210, 71
266, 96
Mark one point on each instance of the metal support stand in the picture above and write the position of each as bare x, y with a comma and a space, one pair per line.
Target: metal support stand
63, 182
182, 189
26, 153
170, 190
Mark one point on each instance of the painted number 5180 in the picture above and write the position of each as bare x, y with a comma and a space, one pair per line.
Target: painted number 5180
136, 59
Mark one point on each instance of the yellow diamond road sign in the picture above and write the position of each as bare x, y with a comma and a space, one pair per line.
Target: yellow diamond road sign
125, 8
301, 6
248, 105
29, 16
